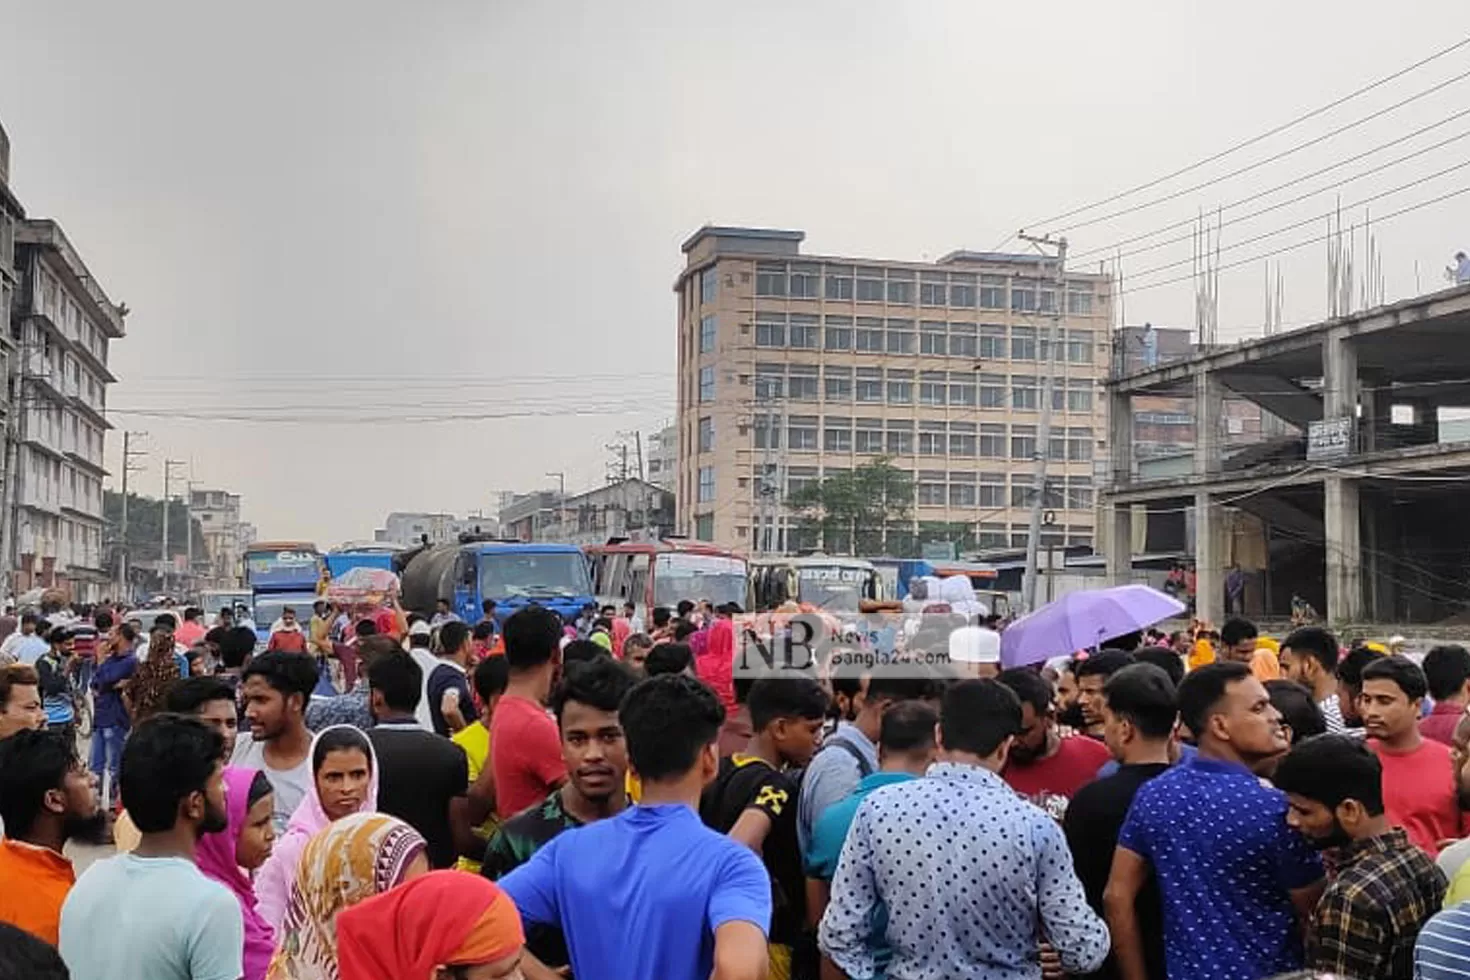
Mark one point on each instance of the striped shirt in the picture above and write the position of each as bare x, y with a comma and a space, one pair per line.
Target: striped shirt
1332, 714
1443, 950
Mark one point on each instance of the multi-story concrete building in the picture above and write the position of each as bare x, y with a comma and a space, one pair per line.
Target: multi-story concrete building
11, 215
633, 509
408, 529
834, 362
526, 516
62, 322
218, 514
663, 458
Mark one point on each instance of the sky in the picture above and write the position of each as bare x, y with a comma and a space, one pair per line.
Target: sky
391, 256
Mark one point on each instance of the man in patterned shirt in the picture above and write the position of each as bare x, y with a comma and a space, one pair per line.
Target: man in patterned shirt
1386, 888
1309, 656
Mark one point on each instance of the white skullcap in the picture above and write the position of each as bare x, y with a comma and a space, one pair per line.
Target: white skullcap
974, 645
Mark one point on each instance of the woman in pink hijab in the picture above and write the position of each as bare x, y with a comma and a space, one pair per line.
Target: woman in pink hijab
344, 781
230, 856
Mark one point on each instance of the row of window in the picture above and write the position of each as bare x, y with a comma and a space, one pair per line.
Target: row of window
902, 386
932, 338
905, 287
791, 538
938, 488
905, 437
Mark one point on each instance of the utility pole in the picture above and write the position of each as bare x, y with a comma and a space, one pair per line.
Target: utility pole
765, 540
561, 500
168, 471
128, 467
1043, 435
189, 534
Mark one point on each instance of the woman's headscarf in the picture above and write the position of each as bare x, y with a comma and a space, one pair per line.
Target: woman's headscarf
215, 857
273, 883
154, 676
354, 859
446, 918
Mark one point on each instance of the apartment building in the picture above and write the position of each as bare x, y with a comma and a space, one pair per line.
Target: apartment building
793, 368
218, 514
663, 457
62, 323
408, 528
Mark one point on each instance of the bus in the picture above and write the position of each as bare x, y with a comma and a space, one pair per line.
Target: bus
281, 574
662, 573
828, 582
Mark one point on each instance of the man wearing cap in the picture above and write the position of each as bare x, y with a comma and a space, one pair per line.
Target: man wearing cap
974, 651
420, 642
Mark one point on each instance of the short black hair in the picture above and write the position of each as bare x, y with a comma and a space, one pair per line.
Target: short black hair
187, 695
1446, 668
582, 651
24, 957
1203, 688
978, 715
1350, 667
442, 601
532, 638
487, 606
192, 613
289, 673
1163, 658
1402, 671
1104, 662
684, 629
1236, 630
668, 658
661, 616
668, 721
1317, 643
602, 623
31, 763
236, 646
166, 620
453, 635
164, 760
686, 606
484, 630
491, 677
103, 621
1298, 709
600, 684
785, 694
907, 727
912, 682
339, 738
30, 618
1030, 687
397, 677
16, 675
1330, 769
1144, 695
365, 627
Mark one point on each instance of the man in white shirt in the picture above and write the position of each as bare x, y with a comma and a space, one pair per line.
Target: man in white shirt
1459, 273
420, 641
10, 649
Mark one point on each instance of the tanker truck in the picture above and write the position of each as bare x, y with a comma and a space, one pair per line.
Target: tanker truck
514, 574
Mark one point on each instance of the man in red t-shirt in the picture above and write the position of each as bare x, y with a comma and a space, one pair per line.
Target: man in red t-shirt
1420, 791
1044, 767
525, 745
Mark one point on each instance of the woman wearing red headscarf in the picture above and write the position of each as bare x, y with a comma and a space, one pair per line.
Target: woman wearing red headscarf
445, 925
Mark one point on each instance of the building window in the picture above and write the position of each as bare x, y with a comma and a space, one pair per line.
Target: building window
706, 435
839, 384
1079, 445
961, 444
709, 285
961, 494
962, 291
839, 282
1079, 493
1079, 346
869, 338
1023, 296
900, 440
962, 389
838, 333
992, 441
801, 383
801, 433
962, 340
1056, 446
870, 285
933, 491
704, 527
900, 287
770, 330
933, 338
900, 388
1021, 492
1080, 303
933, 388
933, 290
900, 336
837, 434
805, 334
1024, 396
992, 342
993, 292
992, 391
1023, 442
770, 279
1079, 399
1047, 301
870, 384
707, 326
992, 536
869, 436
992, 490
1023, 344
706, 384
805, 281
706, 484
770, 381
767, 431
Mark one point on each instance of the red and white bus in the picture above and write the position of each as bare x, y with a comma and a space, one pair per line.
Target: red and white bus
663, 573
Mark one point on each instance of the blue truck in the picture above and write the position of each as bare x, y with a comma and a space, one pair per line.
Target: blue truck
515, 574
281, 574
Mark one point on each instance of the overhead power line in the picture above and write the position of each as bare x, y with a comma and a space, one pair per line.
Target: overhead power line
1252, 141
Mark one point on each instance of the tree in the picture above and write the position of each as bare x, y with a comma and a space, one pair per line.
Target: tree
864, 511
145, 527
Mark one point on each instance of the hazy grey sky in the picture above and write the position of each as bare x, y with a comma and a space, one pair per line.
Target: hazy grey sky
476, 208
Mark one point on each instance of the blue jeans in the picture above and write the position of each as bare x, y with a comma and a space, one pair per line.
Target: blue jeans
107, 746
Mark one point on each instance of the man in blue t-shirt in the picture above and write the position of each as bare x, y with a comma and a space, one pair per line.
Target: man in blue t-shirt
686, 897
447, 686
1233, 878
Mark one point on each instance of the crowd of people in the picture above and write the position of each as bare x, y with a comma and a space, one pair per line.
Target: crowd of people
532, 798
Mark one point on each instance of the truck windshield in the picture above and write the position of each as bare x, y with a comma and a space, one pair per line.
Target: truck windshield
213, 602
833, 586
547, 575
695, 577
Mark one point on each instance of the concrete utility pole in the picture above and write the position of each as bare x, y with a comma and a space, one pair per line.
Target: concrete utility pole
168, 471
1043, 435
561, 501
128, 467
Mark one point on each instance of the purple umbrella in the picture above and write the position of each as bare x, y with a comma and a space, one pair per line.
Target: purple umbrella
1082, 621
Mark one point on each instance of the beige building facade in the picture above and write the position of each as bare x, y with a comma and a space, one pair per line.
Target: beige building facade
794, 368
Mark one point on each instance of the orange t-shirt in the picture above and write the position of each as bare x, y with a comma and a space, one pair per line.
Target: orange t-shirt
34, 881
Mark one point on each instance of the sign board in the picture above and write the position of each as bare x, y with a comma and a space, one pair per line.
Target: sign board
938, 551
1330, 438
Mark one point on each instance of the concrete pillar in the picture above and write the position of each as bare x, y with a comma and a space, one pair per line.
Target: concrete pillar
1209, 415
1344, 548
1120, 437
1209, 558
1120, 544
1339, 376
